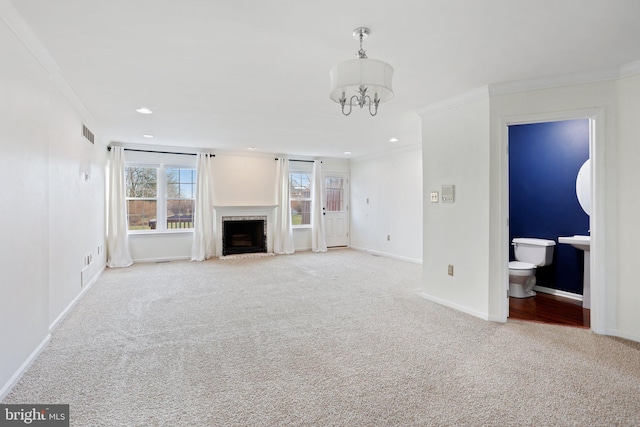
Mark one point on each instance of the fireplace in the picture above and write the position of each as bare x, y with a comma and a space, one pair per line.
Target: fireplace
243, 235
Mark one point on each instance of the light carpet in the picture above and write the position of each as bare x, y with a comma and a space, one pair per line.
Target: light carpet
317, 339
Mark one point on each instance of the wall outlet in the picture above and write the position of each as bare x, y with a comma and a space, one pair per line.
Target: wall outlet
434, 197
450, 270
388, 237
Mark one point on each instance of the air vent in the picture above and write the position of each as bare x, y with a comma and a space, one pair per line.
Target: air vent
87, 134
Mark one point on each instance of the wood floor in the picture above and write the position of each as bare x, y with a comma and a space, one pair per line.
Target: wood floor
552, 309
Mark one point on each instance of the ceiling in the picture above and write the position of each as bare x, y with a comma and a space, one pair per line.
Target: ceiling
229, 75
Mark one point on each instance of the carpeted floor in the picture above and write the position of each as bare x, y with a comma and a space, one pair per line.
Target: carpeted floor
333, 339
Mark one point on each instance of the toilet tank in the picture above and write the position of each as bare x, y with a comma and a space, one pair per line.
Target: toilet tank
535, 251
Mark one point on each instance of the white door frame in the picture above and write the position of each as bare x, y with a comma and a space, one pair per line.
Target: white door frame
597, 219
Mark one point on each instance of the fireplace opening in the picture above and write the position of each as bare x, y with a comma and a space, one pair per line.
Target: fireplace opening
243, 237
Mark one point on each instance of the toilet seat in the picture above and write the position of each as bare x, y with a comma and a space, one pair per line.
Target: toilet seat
519, 265
519, 268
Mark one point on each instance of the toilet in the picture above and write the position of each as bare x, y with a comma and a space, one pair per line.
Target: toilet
530, 253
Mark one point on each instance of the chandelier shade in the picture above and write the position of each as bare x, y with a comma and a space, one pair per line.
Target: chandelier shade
349, 75
361, 81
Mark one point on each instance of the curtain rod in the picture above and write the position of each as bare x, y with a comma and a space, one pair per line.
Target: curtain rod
161, 152
294, 160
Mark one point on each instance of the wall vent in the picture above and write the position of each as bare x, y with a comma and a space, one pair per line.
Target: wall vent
88, 134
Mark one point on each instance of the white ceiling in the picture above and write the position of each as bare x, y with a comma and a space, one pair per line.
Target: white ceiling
229, 75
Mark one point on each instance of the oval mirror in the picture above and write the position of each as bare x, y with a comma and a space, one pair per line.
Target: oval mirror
583, 187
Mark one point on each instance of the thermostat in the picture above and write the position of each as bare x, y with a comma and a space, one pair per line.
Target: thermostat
448, 192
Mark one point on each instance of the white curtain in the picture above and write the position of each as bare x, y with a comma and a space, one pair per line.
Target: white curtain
318, 242
283, 239
204, 222
118, 254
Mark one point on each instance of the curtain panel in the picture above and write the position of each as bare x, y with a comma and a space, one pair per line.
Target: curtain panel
283, 238
204, 231
318, 241
118, 254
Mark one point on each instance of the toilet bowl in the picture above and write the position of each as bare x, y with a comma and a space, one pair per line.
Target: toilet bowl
522, 279
530, 253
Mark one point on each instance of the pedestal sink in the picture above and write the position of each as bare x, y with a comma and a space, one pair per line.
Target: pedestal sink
584, 244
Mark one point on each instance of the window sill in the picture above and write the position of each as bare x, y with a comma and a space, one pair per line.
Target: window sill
300, 227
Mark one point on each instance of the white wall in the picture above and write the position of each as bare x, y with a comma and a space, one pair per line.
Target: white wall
464, 144
51, 217
244, 180
628, 299
554, 103
456, 151
243, 183
386, 199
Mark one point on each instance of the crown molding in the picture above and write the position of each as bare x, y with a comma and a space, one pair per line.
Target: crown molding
630, 69
554, 81
387, 153
455, 101
18, 26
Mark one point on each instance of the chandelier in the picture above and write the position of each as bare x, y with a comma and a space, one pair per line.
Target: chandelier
361, 81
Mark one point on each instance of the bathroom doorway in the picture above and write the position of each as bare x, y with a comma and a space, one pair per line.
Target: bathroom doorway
544, 156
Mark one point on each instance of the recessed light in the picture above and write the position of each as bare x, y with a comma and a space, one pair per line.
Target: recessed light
146, 135
347, 152
252, 148
144, 110
394, 140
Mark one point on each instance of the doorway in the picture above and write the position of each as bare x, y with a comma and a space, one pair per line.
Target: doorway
336, 209
595, 120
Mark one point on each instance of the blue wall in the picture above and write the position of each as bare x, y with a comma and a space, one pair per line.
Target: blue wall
544, 159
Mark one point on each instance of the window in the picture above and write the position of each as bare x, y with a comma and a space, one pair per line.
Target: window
300, 196
160, 198
181, 190
142, 197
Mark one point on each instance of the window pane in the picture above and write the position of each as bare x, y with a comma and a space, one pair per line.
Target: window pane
141, 214
187, 191
181, 183
334, 194
141, 181
300, 185
300, 212
180, 213
173, 176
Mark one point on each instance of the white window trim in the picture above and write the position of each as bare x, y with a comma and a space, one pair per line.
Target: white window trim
161, 202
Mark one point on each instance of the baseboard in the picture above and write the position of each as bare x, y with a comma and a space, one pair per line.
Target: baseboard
93, 280
6, 389
179, 258
616, 333
467, 310
387, 255
558, 292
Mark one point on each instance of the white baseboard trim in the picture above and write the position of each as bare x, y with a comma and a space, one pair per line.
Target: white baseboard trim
6, 389
387, 255
558, 292
179, 258
93, 280
498, 319
467, 310
626, 336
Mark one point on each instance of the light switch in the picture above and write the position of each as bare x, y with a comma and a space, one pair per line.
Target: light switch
434, 197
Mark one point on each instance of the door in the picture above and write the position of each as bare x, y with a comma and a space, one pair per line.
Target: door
336, 209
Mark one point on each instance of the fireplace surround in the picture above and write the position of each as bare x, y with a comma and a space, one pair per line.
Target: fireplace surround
226, 213
244, 234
